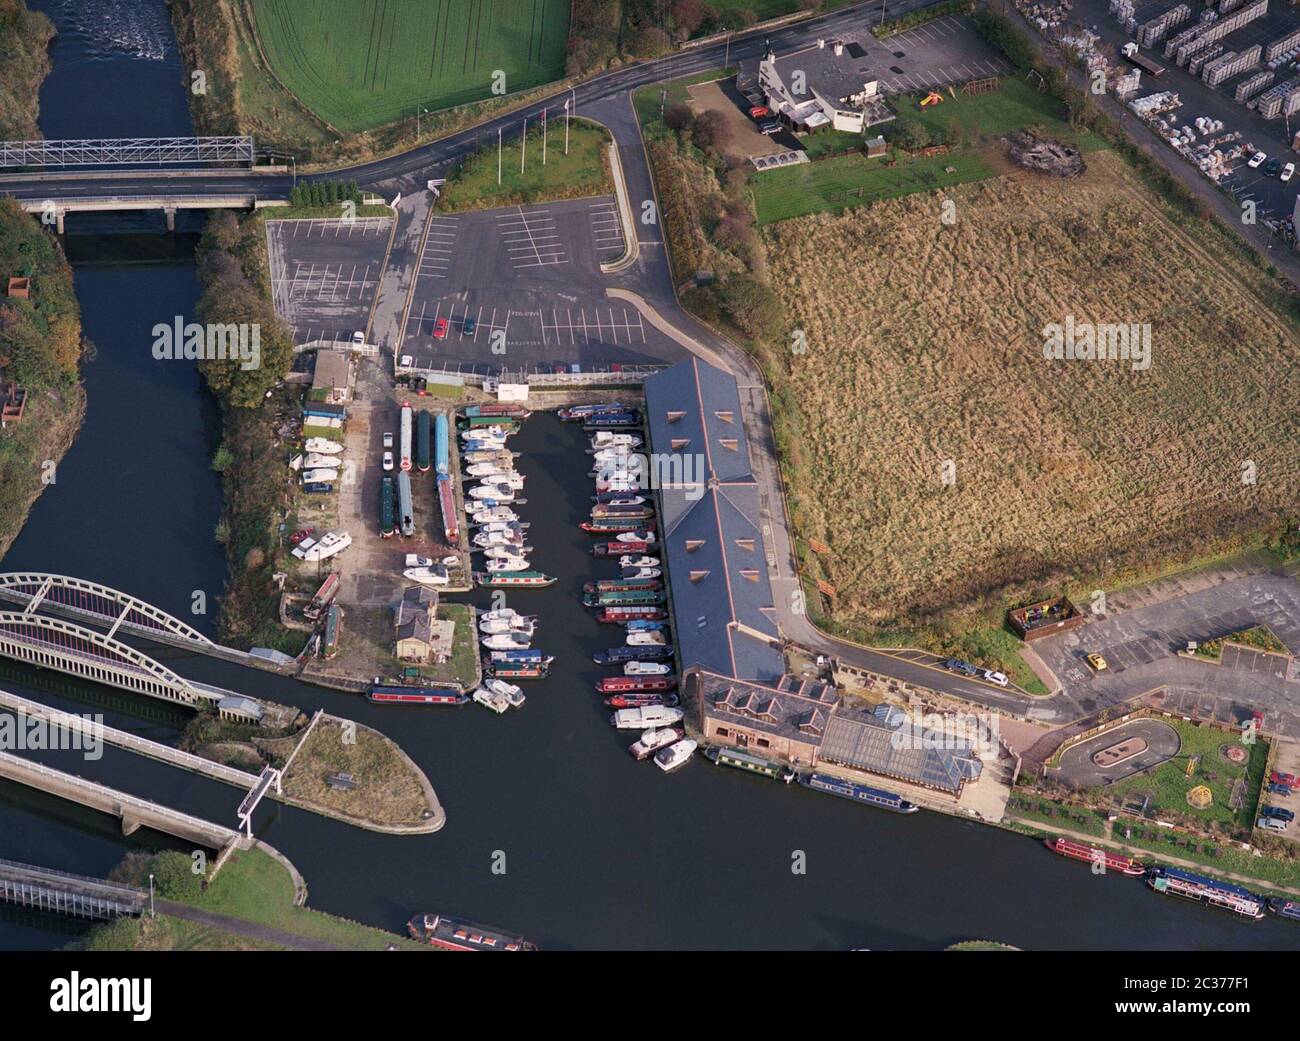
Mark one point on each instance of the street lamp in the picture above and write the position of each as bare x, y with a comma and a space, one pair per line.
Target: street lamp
418, 112
151, 910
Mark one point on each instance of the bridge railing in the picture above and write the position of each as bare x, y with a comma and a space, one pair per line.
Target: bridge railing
127, 151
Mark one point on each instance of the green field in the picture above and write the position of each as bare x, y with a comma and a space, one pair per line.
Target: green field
581, 173
363, 63
966, 124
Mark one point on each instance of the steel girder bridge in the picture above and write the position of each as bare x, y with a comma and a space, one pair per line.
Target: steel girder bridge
127, 151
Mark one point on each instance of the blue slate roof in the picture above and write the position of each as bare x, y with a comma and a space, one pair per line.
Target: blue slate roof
712, 539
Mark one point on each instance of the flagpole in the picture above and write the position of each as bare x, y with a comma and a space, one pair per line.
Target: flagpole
498, 155
523, 147
543, 137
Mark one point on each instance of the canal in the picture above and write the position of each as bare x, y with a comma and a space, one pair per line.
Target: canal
552, 829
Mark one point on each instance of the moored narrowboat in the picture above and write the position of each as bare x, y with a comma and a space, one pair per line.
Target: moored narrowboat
754, 764
857, 792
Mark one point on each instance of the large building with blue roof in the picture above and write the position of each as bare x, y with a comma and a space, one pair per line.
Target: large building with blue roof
712, 537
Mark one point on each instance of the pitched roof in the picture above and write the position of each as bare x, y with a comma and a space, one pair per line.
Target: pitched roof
712, 536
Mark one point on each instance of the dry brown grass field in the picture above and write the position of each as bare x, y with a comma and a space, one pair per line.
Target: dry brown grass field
925, 344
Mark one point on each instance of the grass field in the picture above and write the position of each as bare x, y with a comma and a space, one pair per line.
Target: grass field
361, 63
583, 172
833, 184
1169, 783
925, 344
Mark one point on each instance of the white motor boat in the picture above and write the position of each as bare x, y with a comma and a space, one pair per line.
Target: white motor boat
620, 484
635, 536
508, 614
495, 492
644, 638
613, 439
646, 668
320, 476
484, 539
433, 575
508, 550
635, 561
509, 564
317, 461
323, 446
626, 500
503, 526
675, 755
513, 694
506, 642
646, 717
415, 560
328, 545
500, 456
652, 740
641, 572
494, 472
507, 625
492, 514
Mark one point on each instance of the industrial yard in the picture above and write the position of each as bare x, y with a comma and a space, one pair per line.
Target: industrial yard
974, 468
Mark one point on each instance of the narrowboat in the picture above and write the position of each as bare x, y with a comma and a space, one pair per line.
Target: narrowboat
1205, 890
621, 585
621, 511
521, 655
1091, 854
622, 655
613, 527
634, 700
521, 670
496, 408
514, 579
387, 514
442, 457
621, 615
857, 792
1285, 908
615, 549
505, 424
404, 694
423, 456
333, 631
611, 421
755, 764
404, 440
639, 684
441, 931
578, 413
447, 502
624, 599
323, 598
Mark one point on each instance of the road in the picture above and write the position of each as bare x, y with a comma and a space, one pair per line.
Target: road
607, 98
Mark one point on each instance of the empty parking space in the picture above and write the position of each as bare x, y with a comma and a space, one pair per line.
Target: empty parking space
602, 325
531, 238
607, 229
325, 273
931, 56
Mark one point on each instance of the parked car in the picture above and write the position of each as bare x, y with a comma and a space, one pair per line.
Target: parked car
1257, 160
964, 667
1287, 173
299, 535
440, 329
388, 439
388, 460
759, 112
359, 338
770, 127
1280, 789
1277, 812
1272, 168
317, 488
999, 678
1290, 780
468, 326
1097, 662
1271, 824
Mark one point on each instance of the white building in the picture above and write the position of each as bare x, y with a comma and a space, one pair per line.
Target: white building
828, 84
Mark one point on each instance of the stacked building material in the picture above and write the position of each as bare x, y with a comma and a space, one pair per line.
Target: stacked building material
1230, 64
1190, 41
1209, 54
1269, 104
1248, 88
1287, 43
1152, 32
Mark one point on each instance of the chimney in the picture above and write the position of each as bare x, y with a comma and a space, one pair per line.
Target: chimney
839, 48
821, 42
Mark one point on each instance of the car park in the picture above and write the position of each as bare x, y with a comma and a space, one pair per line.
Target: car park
1287, 173
1257, 160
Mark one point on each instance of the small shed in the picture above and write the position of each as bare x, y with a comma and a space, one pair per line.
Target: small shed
19, 288
238, 709
332, 377
876, 147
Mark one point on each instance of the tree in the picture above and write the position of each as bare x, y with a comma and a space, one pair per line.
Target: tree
752, 306
710, 131
910, 133
678, 116
175, 878
649, 42
691, 15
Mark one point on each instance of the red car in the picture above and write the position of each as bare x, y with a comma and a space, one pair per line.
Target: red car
759, 112
440, 329
299, 535
1278, 777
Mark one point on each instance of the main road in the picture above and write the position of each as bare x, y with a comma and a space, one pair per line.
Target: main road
606, 98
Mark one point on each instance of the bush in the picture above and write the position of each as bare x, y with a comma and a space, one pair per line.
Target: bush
910, 134
752, 306
174, 877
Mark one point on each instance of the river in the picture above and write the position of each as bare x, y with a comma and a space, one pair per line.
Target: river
552, 829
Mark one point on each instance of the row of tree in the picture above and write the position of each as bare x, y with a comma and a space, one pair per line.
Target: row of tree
325, 193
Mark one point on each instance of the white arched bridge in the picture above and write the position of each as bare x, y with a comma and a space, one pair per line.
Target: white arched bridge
52, 643
99, 605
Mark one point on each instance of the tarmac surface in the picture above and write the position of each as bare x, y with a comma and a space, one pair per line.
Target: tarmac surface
1079, 771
